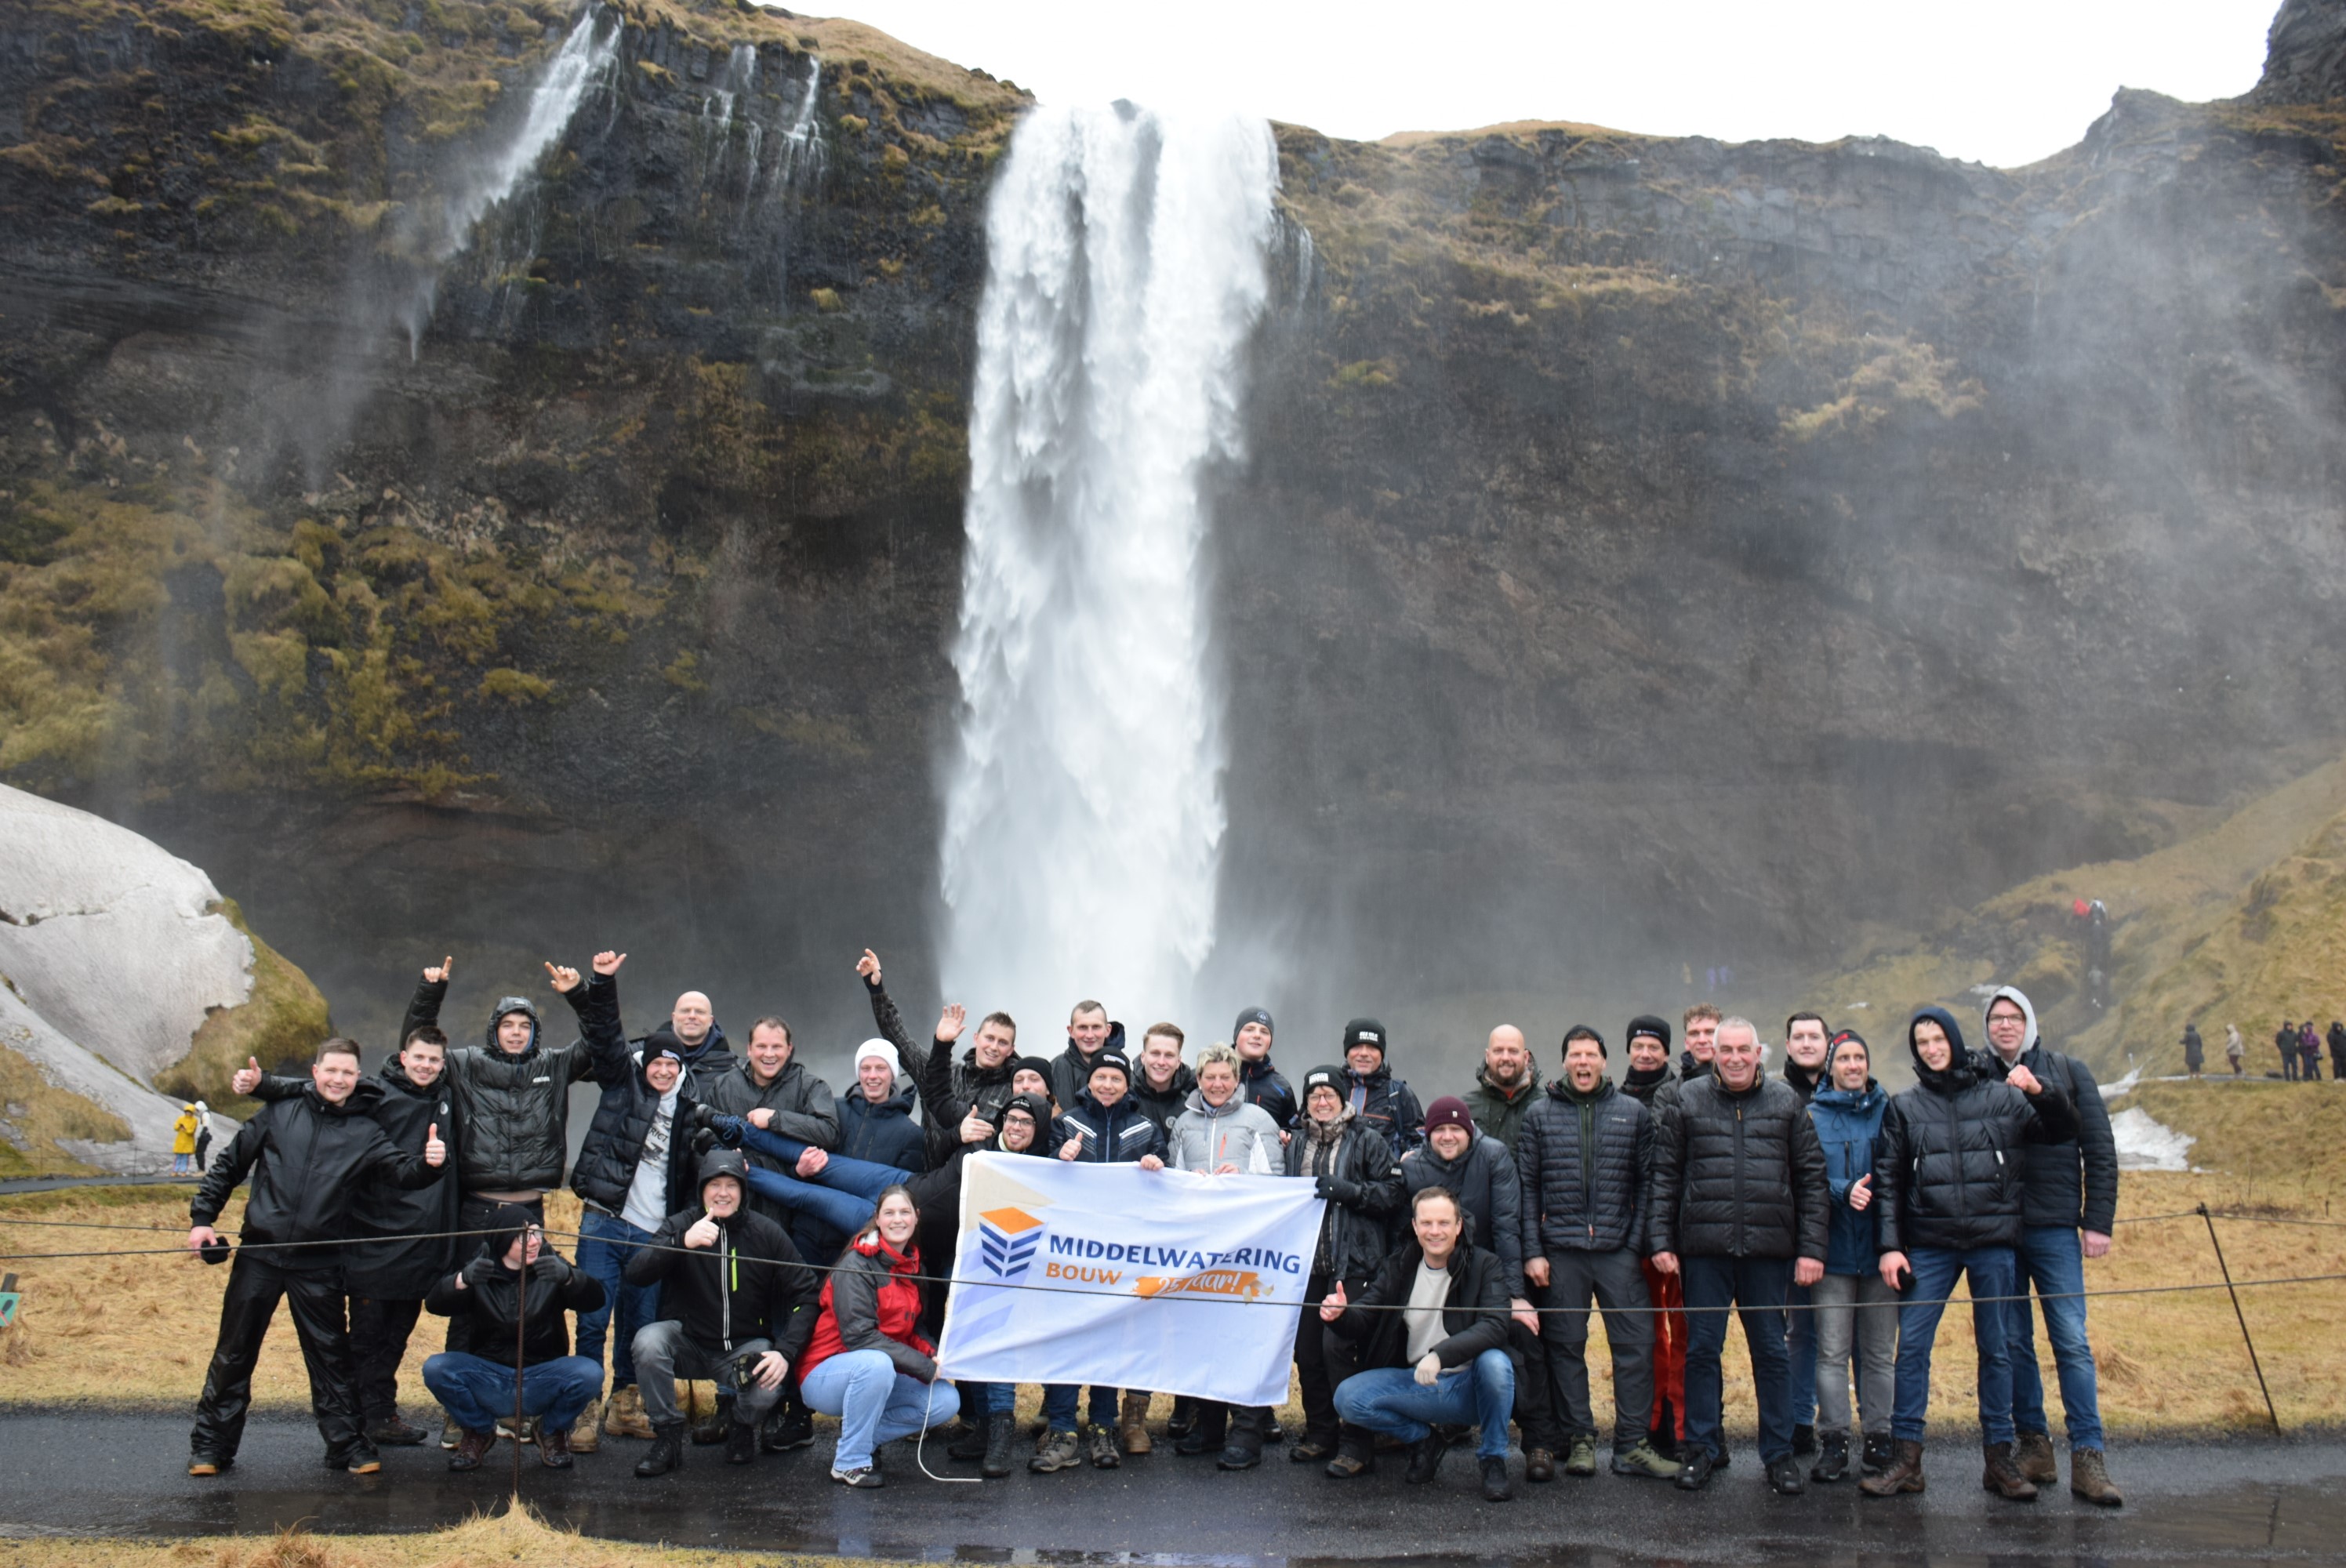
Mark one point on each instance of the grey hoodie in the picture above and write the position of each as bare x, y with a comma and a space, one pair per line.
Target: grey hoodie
2071, 1184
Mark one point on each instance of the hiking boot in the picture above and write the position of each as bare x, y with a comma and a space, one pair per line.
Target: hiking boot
741, 1443
1877, 1455
2089, 1478
623, 1414
1184, 1418
1832, 1464
667, 1450
1645, 1462
969, 1442
1804, 1440
2032, 1456
1663, 1441
1348, 1463
451, 1434
792, 1425
1425, 1459
472, 1448
1055, 1451
586, 1434
1539, 1464
200, 1463
1236, 1455
1271, 1430
1309, 1449
865, 1476
360, 1459
554, 1448
716, 1426
1784, 1475
1902, 1473
392, 1432
1694, 1474
1580, 1459
1494, 1481
2000, 1475
1132, 1423
1001, 1444
1102, 1449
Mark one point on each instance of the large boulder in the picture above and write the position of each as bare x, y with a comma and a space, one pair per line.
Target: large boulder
131, 986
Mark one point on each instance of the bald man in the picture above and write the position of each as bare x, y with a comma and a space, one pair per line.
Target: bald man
697, 1038
1505, 1088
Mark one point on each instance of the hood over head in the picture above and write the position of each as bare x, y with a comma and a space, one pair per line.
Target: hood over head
507, 1221
507, 1006
1958, 1072
2019, 999
722, 1163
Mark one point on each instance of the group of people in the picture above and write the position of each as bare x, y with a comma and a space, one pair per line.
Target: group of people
743, 1224
2300, 1045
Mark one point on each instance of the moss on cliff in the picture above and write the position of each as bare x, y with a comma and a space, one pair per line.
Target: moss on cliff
280, 1022
34, 1114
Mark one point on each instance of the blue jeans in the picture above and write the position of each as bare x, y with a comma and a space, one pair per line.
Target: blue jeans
1391, 1400
875, 1402
841, 1194
1800, 1346
2053, 1259
605, 1242
1059, 1405
1756, 1286
988, 1398
478, 1391
1991, 1272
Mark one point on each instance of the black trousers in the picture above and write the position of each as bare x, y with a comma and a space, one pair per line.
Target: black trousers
1323, 1359
478, 1213
379, 1331
314, 1296
1535, 1398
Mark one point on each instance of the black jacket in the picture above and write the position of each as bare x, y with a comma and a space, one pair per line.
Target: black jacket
1484, 1181
307, 1158
1165, 1108
1737, 1175
1584, 1194
1474, 1314
515, 1109
2073, 1183
404, 1270
488, 1301
1263, 1085
752, 1285
801, 1103
704, 1062
1949, 1163
1112, 1135
1388, 1108
1071, 1070
884, 1134
1362, 1184
624, 1116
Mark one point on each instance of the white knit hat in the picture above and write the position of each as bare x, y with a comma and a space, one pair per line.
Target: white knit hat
881, 1049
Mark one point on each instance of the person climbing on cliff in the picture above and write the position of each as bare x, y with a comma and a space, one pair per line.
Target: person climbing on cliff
2194, 1052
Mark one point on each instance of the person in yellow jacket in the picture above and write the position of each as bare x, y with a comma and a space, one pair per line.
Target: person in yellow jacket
183, 1141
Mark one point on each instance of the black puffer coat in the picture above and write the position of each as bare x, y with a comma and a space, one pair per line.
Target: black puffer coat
949, 1087
1071, 1070
1950, 1163
1737, 1175
2071, 1183
1584, 1196
493, 1294
404, 1270
751, 1285
307, 1157
515, 1109
1484, 1181
614, 1148
1362, 1184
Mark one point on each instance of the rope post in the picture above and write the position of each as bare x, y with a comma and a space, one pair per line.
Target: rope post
2245, 1339
521, 1322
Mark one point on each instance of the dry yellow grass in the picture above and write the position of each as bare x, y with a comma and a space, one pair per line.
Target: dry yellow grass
512, 1539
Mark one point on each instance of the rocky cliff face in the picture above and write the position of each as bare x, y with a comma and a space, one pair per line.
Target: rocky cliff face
1654, 554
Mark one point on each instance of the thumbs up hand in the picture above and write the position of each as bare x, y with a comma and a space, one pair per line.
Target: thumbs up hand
247, 1077
435, 1153
1332, 1307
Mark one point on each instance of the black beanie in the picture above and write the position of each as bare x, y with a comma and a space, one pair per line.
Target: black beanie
1583, 1032
1366, 1031
1323, 1078
1646, 1024
1252, 1015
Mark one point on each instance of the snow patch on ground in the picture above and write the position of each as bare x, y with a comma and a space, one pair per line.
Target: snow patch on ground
2145, 1144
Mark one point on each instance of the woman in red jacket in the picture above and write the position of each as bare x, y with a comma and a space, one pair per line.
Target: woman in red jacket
867, 1363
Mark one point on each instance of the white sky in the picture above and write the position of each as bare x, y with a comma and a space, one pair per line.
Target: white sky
2005, 81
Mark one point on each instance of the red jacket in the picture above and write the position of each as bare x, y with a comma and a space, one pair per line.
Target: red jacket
872, 1302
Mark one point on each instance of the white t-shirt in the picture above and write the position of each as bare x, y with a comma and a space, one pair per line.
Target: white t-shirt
647, 1204
1424, 1315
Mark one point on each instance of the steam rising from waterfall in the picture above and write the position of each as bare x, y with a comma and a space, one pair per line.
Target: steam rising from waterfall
1084, 810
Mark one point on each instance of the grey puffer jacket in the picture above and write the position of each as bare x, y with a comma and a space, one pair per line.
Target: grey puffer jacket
1205, 1137
1484, 1179
1584, 1170
1738, 1175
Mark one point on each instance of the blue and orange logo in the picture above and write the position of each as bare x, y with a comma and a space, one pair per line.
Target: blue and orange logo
1008, 1239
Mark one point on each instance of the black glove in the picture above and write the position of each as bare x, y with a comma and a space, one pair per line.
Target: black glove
552, 1267
479, 1272
1336, 1189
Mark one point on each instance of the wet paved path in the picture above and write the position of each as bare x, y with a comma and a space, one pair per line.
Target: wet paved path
2224, 1501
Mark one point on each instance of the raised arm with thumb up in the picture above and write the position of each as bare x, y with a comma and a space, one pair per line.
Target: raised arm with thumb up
1333, 1307
435, 1153
247, 1077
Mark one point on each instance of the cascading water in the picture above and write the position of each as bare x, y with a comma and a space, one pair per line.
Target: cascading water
482, 183
1084, 813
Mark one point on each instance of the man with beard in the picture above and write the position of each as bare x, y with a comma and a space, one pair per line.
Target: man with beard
1505, 1088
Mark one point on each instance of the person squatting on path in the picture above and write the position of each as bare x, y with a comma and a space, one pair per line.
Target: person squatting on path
1739, 1212
307, 1155
1951, 1201
515, 1288
2069, 1203
1443, 1358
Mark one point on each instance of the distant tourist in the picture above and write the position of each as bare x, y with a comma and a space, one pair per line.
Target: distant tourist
2194, 1054
183, 1140
2309, 1046
2235, 1052
2337, 1051
2285, 1039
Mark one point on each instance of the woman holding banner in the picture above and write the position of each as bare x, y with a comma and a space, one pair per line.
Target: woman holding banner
868, 1362
1220, 1134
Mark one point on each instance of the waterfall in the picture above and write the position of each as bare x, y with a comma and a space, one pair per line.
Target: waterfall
1084, 813
493, 174
803, 138
740, 81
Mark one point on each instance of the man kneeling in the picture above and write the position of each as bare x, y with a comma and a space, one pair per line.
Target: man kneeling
1442, 1359
518, 1286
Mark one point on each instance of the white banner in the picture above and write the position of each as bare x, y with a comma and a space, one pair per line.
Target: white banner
1164, 1280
